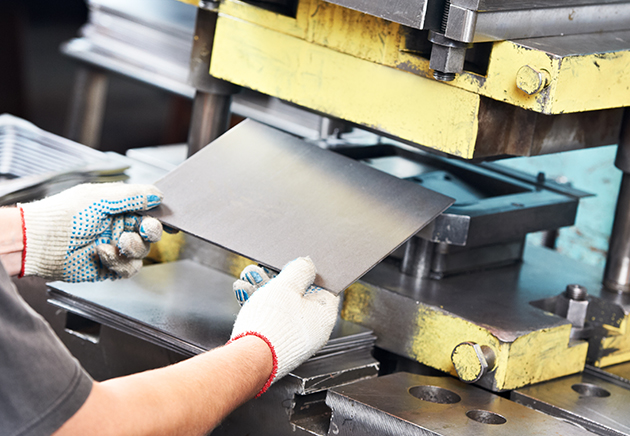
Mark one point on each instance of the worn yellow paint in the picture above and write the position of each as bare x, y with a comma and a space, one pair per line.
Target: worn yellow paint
543, 355
616, 344
383, 43
190, 2
235, 263
352, 32
531, 358
345, 86
467, 363
167, 249
530, 80
357, 302
506, 60
602, 81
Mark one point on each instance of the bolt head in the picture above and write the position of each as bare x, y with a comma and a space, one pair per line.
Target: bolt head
531, 80
469, 362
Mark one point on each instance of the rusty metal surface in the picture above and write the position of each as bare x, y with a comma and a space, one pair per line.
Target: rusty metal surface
271, 197
511, 130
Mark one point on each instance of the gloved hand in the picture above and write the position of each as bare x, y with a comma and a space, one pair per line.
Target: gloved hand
89, 232
294, 318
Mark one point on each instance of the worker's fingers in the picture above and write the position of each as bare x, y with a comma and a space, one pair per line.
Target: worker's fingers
131, 222
133, 246
123, 266
243, 290
255, 275
297, 275
150, 229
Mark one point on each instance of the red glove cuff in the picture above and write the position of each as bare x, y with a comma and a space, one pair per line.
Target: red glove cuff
21, 274
274, 372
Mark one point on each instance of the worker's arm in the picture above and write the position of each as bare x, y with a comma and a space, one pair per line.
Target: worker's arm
11, 244
280, 326
188, 398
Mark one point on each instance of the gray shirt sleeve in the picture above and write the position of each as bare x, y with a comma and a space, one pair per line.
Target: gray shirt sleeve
41, 384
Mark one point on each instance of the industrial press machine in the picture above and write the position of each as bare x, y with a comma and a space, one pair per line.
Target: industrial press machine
445, 89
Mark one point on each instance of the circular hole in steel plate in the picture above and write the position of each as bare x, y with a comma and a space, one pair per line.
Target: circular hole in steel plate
486, 417
435, 394
589, 390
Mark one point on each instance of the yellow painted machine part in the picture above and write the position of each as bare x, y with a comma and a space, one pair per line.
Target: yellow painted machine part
402, 104
167, 249
467, 364
617, 343
577, 83
601, 81
539, 356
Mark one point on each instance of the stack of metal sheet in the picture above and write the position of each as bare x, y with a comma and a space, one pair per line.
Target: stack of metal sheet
34, 162
149, 41
188, 308
184, 307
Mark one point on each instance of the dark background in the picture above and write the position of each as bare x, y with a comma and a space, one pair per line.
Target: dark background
36, 80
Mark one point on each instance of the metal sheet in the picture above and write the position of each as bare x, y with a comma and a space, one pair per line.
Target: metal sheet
588, 401
616, 374
271, 197
409, 404
35, 163
182, 306
188, 308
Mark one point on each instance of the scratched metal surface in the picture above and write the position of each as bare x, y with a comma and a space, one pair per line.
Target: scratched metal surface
271, 197
584, 399
404, 404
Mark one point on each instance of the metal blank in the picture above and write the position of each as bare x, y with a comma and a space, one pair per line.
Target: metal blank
271, 197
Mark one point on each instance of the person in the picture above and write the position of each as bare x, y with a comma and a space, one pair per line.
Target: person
94, 232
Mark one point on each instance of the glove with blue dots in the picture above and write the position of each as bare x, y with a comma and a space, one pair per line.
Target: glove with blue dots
89, 232
293, 317
252, 278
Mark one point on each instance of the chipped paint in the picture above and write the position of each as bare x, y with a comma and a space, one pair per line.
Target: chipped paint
345, 86
433, 333
167, 249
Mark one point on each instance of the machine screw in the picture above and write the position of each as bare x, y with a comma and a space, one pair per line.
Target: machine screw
472, 361
576, 292
531, 80
443, 77
572, 304
447, 56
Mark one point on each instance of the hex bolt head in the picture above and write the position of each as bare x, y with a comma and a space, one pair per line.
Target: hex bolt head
532, 80
572, 304
472, 361
576, 292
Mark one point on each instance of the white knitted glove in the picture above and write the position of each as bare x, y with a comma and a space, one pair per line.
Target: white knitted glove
89, 232
294, 318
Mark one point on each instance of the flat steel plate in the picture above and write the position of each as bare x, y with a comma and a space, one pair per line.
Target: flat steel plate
271, 197
404, 404
586, 400
183, 306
